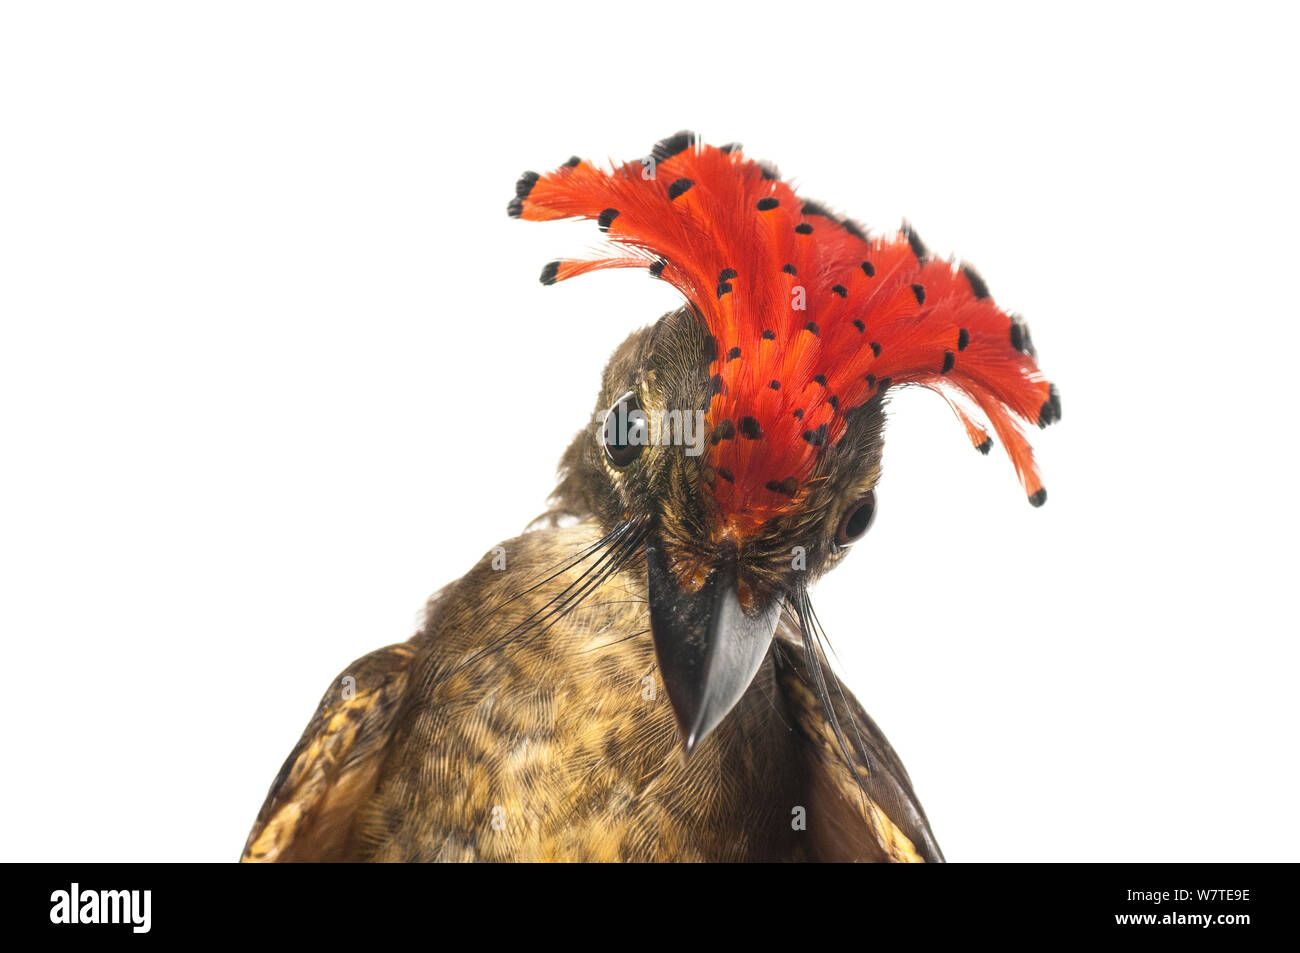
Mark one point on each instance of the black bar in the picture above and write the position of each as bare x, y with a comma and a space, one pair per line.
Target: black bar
221, 902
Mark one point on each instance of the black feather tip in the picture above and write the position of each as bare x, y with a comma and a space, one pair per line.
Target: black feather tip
674, 144
1050, 412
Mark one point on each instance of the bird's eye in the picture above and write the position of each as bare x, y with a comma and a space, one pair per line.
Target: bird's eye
626, 431
856, 520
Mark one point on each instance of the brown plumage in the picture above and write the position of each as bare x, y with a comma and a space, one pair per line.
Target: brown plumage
558, 752
642, 676
487, 737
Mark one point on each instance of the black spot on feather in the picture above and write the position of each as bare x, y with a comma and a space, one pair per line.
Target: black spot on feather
1050, 412
986, 446
750, 429
919, 291
1020, 339
948, 360
869, 269
549, 273
977, 285
525, 184
769, 335
1039, 498
803, 228
817, 437
727, 274
790, 270
786, 487
767, 204
914, 241
657, 267
674, 144
963, 339
606, 219
725, 430
679, 187
840, 290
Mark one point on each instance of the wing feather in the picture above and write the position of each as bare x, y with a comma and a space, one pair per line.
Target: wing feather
311, 810
863, 808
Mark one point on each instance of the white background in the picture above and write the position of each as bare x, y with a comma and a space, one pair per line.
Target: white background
275, 365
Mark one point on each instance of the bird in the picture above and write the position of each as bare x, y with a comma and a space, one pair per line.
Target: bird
640, 675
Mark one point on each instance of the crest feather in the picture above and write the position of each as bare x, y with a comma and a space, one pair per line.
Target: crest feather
812, 316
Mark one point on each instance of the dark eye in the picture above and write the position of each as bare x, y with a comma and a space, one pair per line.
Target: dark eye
857, 520
626, 431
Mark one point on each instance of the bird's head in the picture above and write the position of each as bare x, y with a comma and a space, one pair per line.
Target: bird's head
738, 439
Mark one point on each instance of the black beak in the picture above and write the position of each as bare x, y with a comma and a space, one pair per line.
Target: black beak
708, 647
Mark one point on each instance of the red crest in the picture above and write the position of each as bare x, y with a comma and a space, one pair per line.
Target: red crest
811, 316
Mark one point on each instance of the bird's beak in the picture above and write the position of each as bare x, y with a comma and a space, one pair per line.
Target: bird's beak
708, 647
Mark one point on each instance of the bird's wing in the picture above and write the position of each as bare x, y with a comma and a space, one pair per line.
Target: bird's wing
862, 806
311, 809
